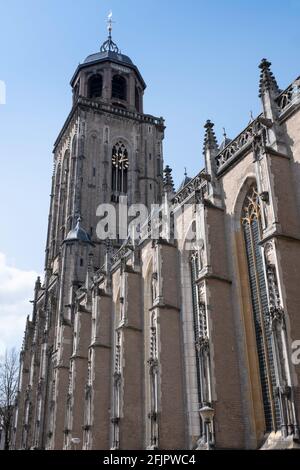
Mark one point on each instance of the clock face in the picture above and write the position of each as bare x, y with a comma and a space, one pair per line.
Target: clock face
120, 159
124, 161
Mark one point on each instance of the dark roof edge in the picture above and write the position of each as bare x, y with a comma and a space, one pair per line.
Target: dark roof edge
78, 240
106, 59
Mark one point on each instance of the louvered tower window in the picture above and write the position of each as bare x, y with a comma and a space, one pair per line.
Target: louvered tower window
251, 223
95, 86
119, 87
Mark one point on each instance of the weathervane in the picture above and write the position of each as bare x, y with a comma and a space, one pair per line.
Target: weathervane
109, 23
109, 45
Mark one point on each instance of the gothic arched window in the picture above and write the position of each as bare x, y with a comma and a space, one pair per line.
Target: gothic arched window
119, 169
119, 87
95, 86
251, 222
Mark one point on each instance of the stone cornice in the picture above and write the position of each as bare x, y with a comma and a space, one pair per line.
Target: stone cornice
207, 276
78, 356
275, 153
162, 306
98, 106
124, 113
96, 344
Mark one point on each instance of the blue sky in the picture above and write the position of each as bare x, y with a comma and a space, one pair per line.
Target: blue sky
198, 58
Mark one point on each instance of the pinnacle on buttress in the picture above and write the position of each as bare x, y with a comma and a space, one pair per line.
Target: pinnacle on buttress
90, 271
168, 179
210, 141
267, 80
108, 255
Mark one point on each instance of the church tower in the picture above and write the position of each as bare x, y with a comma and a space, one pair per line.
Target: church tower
108, 149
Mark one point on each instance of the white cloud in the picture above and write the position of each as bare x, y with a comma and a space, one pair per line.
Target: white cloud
16, 289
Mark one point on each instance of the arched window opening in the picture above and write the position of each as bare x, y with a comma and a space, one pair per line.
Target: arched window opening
137, 99
119, 87
95, 87
252, 229
119, 170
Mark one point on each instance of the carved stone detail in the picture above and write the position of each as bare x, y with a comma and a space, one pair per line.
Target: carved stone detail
240, 143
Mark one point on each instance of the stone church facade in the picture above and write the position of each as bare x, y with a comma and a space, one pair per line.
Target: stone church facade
183, 340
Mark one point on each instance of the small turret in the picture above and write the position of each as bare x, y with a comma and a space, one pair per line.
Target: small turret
78, 234
185, 180
225, 140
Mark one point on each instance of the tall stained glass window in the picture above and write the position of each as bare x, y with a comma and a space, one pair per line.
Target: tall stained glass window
251, 223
